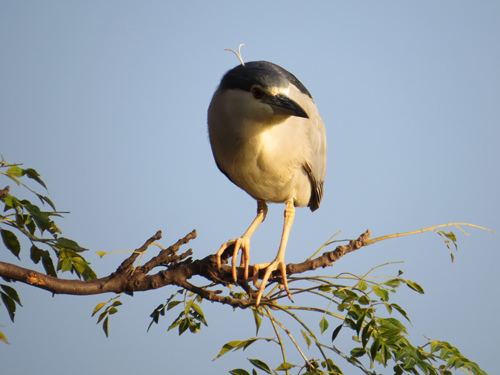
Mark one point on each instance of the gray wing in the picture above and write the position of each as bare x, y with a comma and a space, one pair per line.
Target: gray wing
315, 166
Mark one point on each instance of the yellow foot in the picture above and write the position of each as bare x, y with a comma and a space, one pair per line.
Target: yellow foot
242, 243
277, 264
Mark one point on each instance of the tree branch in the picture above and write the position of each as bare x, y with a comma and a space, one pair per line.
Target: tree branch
178, 269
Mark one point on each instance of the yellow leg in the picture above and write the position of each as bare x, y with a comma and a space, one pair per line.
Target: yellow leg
243, 242
279, 262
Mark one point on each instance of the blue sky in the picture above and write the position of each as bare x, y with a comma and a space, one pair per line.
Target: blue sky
108, 100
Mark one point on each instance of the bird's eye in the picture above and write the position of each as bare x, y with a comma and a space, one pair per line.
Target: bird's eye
257, 93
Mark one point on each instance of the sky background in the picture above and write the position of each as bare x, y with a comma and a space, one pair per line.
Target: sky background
108, 100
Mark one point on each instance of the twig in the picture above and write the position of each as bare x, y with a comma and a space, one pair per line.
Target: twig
127, 263
457, 225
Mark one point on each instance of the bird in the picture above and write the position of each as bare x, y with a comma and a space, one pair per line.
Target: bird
268, 138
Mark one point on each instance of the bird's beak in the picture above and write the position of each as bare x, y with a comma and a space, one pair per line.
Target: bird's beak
283, 105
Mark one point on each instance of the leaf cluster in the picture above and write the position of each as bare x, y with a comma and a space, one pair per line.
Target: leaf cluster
10, 298
111, 309
22, 216
190, 317
378, 337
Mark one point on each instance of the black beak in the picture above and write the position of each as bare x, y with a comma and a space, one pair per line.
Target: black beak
283, 105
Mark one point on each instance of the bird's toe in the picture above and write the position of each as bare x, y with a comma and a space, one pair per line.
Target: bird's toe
277, 264
243, 244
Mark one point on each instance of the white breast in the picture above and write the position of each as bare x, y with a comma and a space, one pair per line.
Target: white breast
262, 153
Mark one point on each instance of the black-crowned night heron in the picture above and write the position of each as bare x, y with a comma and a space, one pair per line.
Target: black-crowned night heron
268, 138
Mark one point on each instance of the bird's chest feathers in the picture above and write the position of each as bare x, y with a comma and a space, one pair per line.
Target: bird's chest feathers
265, 150
264, 160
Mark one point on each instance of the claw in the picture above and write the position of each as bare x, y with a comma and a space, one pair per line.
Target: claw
242, 243
277, 264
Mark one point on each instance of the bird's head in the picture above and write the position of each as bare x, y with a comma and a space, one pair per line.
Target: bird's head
262, 92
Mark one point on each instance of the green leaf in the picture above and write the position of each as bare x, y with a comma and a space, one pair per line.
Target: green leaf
342, 306
31, 173
187, 307
172, 304
435, 345
98, 307
3, 338
415, 286
362, 285
194, 326
261, 365
70, 244
349, 323
366, 334
227, 347
306, 338
398, 370
184, 325
382, 293
89, 274
358, 352
246, 343
70, 260
359, 323
15, 171
36, 254
47, 200
159, 310
447, 237
375, 348
47, 263
65, 265
102, 316
112, 311
105, 326
10, 202
258, 320
11, 242
239, 371
284, 366
451, 236
175, 323
389, 327
9, 304
393, 283
12, 293
401, 311
346, 295
42, 219
199, 313
30, 225
364, 300
323, 325
336, 332
155, 315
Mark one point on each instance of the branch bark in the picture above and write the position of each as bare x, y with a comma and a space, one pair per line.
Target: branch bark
4, 192
175, 269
